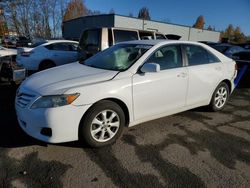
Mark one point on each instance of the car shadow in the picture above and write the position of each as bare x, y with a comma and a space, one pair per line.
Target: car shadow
11, 135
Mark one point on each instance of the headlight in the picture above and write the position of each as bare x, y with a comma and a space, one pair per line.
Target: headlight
54, 101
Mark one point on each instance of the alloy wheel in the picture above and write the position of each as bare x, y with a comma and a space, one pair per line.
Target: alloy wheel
105, 125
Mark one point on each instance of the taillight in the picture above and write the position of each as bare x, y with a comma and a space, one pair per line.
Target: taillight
26, 54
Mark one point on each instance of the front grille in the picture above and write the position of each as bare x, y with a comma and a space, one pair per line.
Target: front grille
23, 99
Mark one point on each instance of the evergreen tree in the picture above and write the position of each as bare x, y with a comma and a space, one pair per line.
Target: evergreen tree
200, 22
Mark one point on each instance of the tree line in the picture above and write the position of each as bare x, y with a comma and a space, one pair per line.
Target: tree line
44, 18
230, 34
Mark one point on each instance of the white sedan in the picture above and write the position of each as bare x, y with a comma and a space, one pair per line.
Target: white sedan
127, 84
47, 54
7, 52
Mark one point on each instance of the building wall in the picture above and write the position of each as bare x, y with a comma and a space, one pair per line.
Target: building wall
186, 32
204, 35
73, 28
127, 22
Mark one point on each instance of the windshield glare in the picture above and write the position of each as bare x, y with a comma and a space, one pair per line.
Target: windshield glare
119, 57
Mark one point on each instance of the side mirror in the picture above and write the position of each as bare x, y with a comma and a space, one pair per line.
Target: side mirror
150, 67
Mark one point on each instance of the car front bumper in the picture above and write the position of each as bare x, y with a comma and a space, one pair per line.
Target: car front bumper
62, 121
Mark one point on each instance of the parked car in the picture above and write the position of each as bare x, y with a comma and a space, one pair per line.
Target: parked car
23, 41
228, 49
98, 39
7, 52
9, 41
9, 71
47, 54
245, 45
127, 84
242, 58
209, 43
243, 55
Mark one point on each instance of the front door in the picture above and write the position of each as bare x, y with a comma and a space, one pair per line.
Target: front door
164, 91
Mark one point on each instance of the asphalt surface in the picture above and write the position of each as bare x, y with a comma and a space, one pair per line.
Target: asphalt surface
191, 149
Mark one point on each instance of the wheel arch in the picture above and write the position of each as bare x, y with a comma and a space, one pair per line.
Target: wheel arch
229, 84
45, 61
117, 101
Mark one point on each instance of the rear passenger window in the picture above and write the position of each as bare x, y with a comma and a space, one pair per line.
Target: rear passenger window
159, 36
167, 57
197, 55
73, 47
122, 35
58, 47
212, 58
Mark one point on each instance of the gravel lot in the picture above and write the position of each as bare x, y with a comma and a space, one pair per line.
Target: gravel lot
191, 149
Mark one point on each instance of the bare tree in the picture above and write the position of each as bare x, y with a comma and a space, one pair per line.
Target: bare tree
209, 28
93, 12
42, 18
144, 14
111, 11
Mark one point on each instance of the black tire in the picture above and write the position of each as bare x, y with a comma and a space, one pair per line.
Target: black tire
46, 65
86, 125
213, 106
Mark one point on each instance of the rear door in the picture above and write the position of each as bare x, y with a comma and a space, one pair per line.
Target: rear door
205, 72
62, 53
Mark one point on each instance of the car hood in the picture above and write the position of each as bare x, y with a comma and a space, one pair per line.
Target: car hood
8, 52
59, 79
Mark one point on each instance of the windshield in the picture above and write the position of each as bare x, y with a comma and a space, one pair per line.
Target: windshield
119, 57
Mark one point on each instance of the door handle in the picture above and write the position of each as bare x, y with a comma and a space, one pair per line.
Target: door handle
182, 75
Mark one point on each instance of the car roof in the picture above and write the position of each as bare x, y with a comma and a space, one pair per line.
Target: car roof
226, 45
160, 41
56, 41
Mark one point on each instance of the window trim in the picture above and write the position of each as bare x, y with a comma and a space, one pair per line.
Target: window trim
182, 57
206, 50
59, 43
99, 37
118, 29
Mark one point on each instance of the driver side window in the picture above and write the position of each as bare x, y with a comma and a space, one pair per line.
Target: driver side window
167, 57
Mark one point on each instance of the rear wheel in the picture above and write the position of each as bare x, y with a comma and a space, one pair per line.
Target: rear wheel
220, 97
102, 124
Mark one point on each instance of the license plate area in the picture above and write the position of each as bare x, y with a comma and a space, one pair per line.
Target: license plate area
19, 74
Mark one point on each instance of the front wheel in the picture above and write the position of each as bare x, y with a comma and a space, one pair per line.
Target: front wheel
102, 124
220, 97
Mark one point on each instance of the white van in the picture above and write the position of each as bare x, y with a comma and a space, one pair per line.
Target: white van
97, 39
